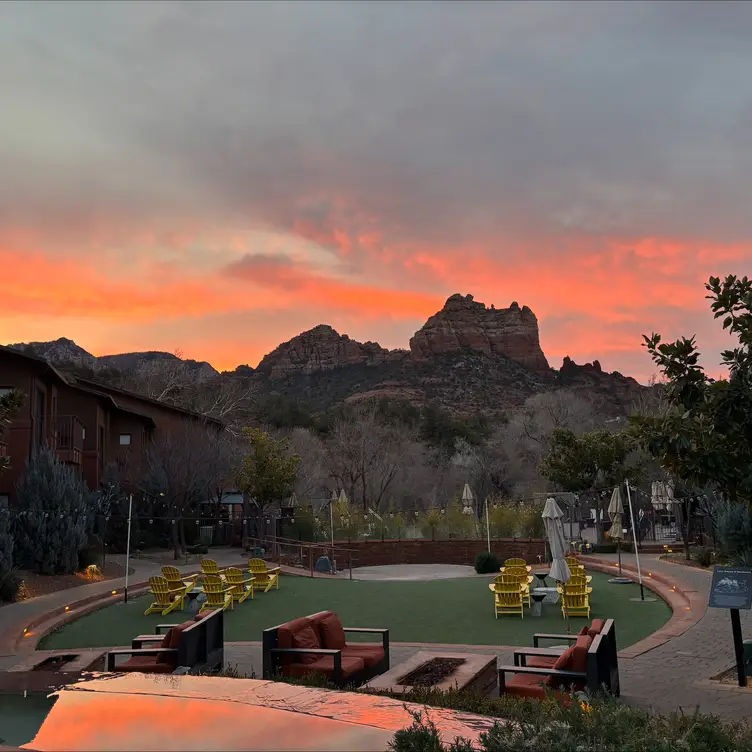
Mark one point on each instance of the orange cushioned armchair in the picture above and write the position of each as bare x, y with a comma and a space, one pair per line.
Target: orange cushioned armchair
575, 668
317, 644
197, 644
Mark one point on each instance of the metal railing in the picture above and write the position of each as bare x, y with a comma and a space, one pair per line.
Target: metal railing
302, 554
70, 438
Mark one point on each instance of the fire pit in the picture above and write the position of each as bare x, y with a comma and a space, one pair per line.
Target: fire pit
441, 670
432, 672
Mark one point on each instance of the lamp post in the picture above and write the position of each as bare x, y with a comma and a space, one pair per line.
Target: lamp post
128, 547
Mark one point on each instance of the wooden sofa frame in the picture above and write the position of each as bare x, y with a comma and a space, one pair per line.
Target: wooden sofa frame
201, 646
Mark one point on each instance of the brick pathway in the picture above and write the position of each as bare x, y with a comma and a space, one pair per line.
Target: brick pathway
678, 673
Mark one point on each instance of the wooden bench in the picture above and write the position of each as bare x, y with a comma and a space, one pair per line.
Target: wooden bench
197, 644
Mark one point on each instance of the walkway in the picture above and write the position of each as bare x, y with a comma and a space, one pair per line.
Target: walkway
14, 616
678, 674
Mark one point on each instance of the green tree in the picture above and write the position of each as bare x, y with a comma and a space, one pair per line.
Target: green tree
10, 403
704, 437
593, 460
56, 517
267, 472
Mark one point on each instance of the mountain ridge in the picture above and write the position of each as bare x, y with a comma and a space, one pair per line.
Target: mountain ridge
468, 357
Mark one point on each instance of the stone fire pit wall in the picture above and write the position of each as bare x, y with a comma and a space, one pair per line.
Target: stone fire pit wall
456, 551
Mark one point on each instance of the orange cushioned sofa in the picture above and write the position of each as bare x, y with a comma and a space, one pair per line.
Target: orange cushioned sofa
317, 644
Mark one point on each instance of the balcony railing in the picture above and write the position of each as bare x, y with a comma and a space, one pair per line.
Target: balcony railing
70, 439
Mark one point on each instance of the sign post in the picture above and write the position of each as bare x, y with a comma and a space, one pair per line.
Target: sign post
732, 589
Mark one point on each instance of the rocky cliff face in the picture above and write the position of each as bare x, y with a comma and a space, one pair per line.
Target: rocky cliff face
65, 351
322, 349
463, 324
590, 377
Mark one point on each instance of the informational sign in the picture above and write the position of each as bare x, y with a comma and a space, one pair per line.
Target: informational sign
731, 588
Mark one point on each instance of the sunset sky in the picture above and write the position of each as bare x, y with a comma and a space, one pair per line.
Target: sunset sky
219, 177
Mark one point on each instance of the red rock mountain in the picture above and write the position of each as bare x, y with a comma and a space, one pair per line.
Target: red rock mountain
322, 349
463, 324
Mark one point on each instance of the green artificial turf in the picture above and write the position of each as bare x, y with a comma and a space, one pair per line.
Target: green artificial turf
439, 611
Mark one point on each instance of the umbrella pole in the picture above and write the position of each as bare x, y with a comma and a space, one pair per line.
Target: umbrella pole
618, 553
634, 537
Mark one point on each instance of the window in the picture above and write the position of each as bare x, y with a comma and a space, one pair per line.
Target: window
4, 501
125, 439
5, 390
83, 433
101, 449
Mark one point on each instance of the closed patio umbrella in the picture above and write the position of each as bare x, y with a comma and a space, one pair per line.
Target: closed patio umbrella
615, 513
553, 521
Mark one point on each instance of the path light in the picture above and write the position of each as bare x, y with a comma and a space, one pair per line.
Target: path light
114, 592
67, 608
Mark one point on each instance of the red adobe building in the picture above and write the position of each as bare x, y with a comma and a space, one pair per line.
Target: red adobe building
88, 424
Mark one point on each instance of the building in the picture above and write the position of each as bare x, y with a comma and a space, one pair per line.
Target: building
90, 425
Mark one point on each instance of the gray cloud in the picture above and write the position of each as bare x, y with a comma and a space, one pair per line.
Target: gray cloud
442, 120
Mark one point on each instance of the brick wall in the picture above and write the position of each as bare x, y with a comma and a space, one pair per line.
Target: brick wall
456, 551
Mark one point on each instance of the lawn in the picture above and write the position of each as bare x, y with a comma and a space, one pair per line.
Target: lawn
440, 611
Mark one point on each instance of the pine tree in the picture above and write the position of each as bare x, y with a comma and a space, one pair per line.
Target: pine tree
55, 516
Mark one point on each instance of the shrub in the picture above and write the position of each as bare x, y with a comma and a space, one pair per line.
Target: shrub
10, 585
733, 525
9, 582
704, 556
56, 518
199, 548
486, 563
602, 724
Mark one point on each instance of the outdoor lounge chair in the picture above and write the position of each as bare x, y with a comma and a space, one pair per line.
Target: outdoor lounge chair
176, 580
508, 596
576, 669
515, 563
525, 580
317, 644
166, 599
197, 644
265, 578
545, 657
240, 588
209, 566
575, 603
218, 595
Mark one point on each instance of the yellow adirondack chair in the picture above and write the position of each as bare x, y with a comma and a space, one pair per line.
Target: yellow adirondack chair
166, 599
507, 597
176, 580
575, 603
515, 563
209, 566
523, 578
218, 595
577, 570
576, 583
240, 588
265, 578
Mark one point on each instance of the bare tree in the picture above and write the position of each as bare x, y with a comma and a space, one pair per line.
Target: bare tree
366, 453
179, 469
312, 476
